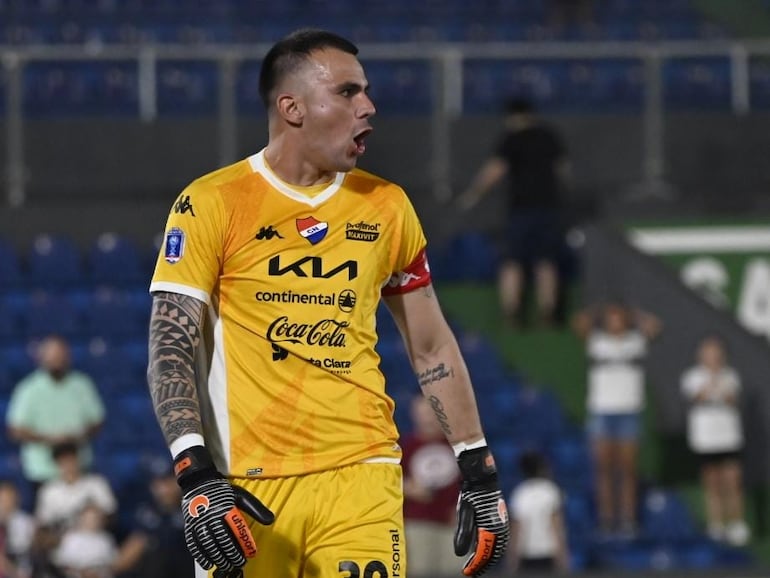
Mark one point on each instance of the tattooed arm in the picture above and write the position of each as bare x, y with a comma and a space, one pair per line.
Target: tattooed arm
438, 363
175, 332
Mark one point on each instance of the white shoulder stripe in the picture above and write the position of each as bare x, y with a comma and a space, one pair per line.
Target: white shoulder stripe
168, 287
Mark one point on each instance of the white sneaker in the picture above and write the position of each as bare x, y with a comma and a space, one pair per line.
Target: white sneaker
737, 533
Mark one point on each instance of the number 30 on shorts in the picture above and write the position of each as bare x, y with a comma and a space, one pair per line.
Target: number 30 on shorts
373, 569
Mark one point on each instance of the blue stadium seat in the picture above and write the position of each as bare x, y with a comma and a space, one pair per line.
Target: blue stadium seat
18, 361
115, 260
7, 382
665, 517
468, 256
571, 462
400, 87
579, 518
54, 262
760, 84
10, 324
540, 420
10, 266
112, 316
247, 89
81, 88
115, 372
49, 314
187, 88
697, 83
636, 556
507, 454
482, 358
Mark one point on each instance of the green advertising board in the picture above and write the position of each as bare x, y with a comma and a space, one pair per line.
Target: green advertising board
728, 265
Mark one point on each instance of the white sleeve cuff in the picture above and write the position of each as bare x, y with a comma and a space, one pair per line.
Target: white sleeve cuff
186, 441
460, 447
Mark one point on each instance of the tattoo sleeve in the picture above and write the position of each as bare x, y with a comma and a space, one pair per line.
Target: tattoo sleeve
175, 332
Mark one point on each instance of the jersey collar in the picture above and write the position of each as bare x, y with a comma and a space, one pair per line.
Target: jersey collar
257, 162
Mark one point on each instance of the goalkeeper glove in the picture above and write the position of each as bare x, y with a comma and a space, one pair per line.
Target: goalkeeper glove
215, 530
482, 518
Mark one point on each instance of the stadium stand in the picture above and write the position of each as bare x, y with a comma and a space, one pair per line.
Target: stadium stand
190, 88
103, 308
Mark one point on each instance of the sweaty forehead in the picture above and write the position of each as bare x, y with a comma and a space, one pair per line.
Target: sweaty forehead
334, 66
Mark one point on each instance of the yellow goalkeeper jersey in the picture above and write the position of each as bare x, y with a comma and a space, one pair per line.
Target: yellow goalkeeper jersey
290, 383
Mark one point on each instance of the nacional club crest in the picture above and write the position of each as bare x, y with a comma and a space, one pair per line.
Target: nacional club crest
174, 248
312, 229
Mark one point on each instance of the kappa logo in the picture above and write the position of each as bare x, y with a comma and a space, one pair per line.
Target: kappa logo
279, 353
312, 229
267, 233
183, 205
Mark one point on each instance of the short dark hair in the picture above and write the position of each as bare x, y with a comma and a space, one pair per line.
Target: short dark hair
532, 465
64, 449
519, 105
291, 51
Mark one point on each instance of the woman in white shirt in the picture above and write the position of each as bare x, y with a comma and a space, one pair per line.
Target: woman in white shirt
538, 537
616, 346
715, 434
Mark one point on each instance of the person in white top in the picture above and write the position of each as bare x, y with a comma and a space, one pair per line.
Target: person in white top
61, 500
616, 345
17, 529
714, 432
87, 550
538, 536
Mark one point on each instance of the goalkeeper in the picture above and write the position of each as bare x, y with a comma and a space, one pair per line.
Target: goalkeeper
263, 372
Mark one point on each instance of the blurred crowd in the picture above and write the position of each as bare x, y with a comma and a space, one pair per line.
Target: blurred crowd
75, 527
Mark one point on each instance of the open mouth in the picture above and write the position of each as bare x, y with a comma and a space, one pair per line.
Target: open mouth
360, 140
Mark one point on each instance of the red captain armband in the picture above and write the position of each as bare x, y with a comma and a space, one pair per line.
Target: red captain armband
416, 275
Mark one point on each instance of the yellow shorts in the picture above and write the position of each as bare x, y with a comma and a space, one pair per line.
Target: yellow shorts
342, 523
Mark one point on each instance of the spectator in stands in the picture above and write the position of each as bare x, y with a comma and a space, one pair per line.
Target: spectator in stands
616, 344
87, 550
51, 406
712, 389
534, 158
61, 500
17, 530
156, 547
538, 535
431, 487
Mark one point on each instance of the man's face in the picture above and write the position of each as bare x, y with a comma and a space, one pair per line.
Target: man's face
54, 356
331, 92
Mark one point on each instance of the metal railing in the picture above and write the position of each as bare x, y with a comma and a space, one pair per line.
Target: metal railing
446, 60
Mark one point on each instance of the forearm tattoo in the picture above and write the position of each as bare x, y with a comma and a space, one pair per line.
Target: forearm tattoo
435, 374
438, 409
175, 332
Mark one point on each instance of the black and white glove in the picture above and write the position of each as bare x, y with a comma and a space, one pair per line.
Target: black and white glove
215, 530
482, 518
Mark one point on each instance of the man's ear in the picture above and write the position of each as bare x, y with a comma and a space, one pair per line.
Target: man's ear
290, 109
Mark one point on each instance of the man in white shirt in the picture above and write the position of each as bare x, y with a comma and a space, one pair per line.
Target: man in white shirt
538, 537
60, 501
